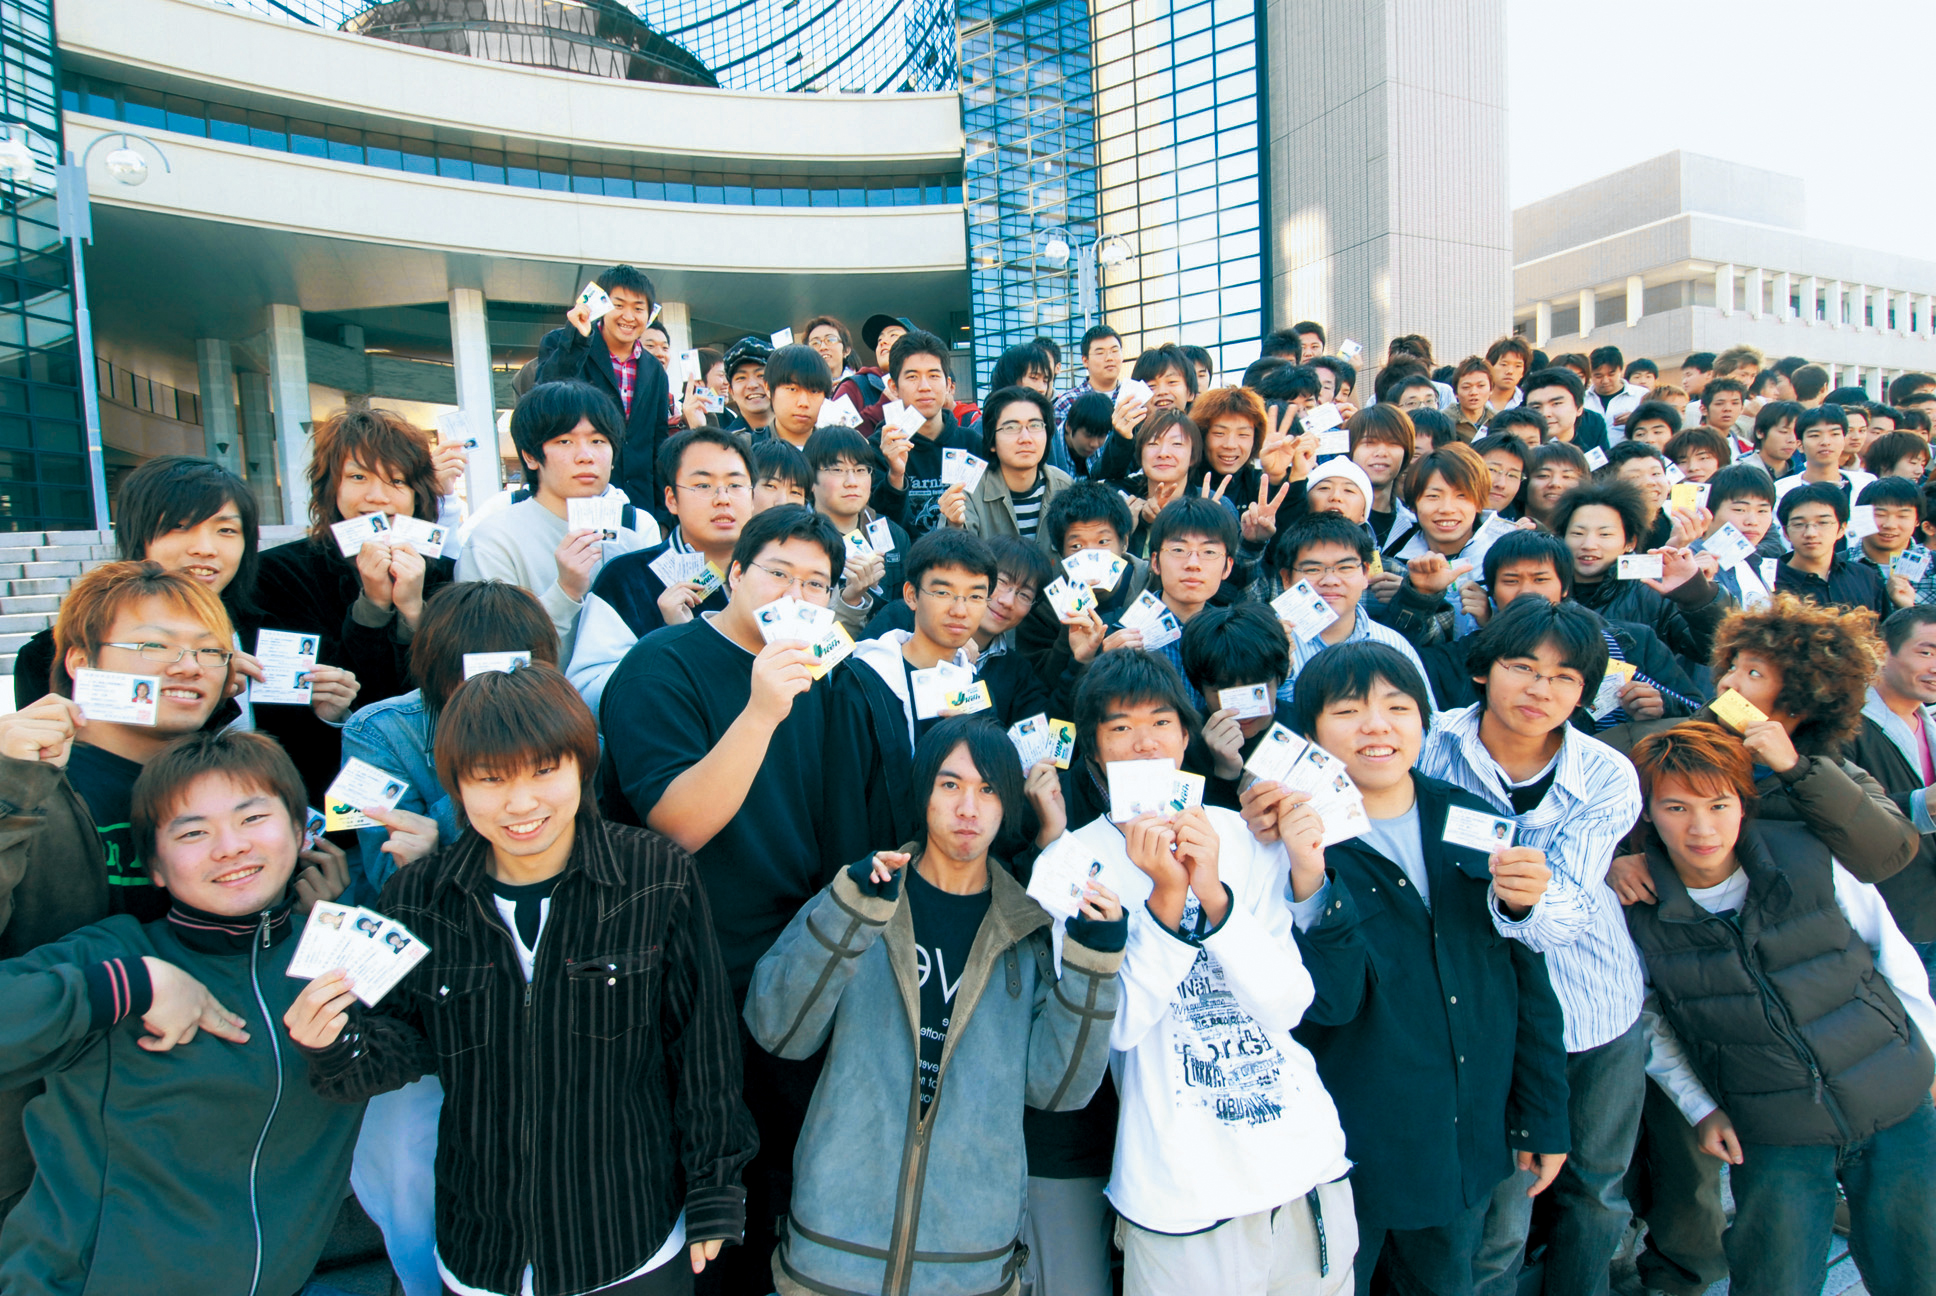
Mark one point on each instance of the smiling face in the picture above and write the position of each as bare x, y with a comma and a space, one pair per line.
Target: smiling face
362, 489
525, 814
1647, 475
226, 847
1166, 456
1910, 671
210, 550
1381, 460
748, 386
825, 339
1337, 495
624, 324
1011, 601
1228, 442
1549, 481
1377, 736
190, 690
1896, 525
1597, 537
1445, 513
964, 811
1169, 389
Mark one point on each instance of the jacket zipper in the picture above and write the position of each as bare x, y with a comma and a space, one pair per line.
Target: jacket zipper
1777, 1014
526, 1062
255, 1159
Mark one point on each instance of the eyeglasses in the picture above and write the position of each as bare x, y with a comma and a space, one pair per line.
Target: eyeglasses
817, 588
951, 598
727, 490
1318, 571
1033, 425
1526, 675
167, 655
846, 474
1183, 553
1811, 524
1020, 595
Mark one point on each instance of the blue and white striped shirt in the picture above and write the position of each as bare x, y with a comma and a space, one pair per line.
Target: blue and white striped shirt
1579, 924
1303, 650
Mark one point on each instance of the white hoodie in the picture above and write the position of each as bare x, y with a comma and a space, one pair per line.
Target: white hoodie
1223, 1113
883, 656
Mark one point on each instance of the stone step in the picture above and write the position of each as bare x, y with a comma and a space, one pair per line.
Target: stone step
13, 555
29, 622
69, 553
6, 671
79, 537
13, 606
10, 571
13, 643
11, 538
45, 570
56, 586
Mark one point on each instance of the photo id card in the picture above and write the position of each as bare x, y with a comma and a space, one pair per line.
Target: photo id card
960, 467
375, 951
1140, 787
324, 936
782, 338
1596, 459
1639, 567
353, 533
689, 367
1072, 599
934, 687
1039, 739
1247, 701
1687, 496
1728, 545
287, 658
1912, 564
1862, 523
485, 663
1305, 610
597, 300
454, 429
1061, 876
880, 536
1480, 832
676, 567
602, 513
1099, 569
312, 827
357, 785
117, 698
385, 959
1322, 418
1349, 351
838, 412
427, 538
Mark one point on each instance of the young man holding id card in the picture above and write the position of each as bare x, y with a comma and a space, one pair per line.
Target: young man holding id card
1431, 1034
1329, 554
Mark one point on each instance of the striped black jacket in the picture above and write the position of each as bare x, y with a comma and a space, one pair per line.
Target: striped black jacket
584, 1110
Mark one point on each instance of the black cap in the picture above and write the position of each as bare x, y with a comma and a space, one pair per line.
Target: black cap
748, 350
870, 332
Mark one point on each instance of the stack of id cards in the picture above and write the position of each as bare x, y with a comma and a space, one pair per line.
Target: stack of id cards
1039, 739
116, 698
377, 952
427, 538
877, 538
905, 419
359, 784
287, 658
1062, 875
689, 566
947, 689
1607, 700
1099, 569
1327, 423
1912, 564
809, 624
601, 513
958, 467
1148, 615
1303, 609
1072, 599
1155, 787
838, 412
1133, 389
1288, 760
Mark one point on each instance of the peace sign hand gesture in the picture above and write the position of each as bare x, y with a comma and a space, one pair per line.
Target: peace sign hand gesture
1259, 521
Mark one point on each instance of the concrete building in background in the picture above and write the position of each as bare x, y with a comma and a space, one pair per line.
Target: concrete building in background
1688, 253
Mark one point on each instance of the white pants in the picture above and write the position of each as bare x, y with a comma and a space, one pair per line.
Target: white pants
1270, 1253
395, 1178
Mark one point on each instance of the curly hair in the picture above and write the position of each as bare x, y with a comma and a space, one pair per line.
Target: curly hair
1827, 657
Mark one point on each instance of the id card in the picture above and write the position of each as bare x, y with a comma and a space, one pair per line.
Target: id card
1596, 459
353, 533
596, 298
958, 467
783, 338
360, 784
1072, 600
386, 959
839, 412
833, 647
427, 538
1305, 609
1911, 564
1133, 389
880, 536
1140, 787
1728, 545
117, 698
1480, 832
689, 367
1735, 711
312, 827
1247, 701
1349, 351
1639, 567
1039, 739
1862, 523
676, 567
324, 936
602, 513
934, 687
485, 663
454, 429
1687, 496
1323, 418
287, 658
1607, 700
1062, 875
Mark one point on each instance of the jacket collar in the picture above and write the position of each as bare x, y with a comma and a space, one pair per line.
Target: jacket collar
1897, 730
1765, 880
217, 934
465, 864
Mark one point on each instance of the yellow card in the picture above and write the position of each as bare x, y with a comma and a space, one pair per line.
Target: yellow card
1735, 711
1377, 563
967, 701
834, 647
1065, 742
1625, 670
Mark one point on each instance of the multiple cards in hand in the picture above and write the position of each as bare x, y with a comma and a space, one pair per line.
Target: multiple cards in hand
689, 566
1305, 610
1099, 569
1133, 389
1151, 787
377, 952
287, 658
1062, 875
427, 538
356, 785
948, 689
1071, 599
878, 538
1288, 760
958, 467
838, 412
1607, 700
1039, 739
810, 624
601, 513
1156, 622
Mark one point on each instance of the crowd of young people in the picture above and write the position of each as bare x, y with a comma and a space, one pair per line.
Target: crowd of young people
732, 974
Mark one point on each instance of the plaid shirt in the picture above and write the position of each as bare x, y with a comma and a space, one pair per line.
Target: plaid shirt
626, 374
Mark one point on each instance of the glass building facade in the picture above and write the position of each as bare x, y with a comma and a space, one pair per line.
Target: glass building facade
43, 456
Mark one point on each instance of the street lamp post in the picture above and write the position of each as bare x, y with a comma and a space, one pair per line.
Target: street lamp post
77, 227
1058, 245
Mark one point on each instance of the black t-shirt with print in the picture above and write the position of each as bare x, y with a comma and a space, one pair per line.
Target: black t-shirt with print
106, 782
944, 932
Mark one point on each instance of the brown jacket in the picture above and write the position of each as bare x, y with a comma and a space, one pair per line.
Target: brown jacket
53, 879
1846, 809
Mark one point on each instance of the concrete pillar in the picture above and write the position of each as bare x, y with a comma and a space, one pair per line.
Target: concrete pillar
1752, 288
1922, 321
1542, 324
1724, 288
470, 351
1810, 287
1859, 306
259, 447
1636, 299
221, 433
1874, 383
1833, 303
1586, 311
289, 389
350, 336
678, 322
1784, 289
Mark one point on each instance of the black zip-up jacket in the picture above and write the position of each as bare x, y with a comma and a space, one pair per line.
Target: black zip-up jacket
565, 355
1851, 585
585, 1108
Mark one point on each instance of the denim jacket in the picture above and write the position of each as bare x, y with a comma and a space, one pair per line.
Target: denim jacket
395, 735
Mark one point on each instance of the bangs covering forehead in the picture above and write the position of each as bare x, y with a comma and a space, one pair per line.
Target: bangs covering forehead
506, 723
379, 441
1703, 757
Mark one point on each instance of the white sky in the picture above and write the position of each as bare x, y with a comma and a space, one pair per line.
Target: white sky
1806, 88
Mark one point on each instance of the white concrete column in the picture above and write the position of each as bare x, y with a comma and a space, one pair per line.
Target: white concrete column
1874, 383
1834, 375
1923, 325
1752, 288
1586, 311
1810, 287
1859, 306
1636, 299
289, 389
678, 322
1542, 324
259, 446
1832, 304
1724, 288
1784, 288
221, 433
470, 351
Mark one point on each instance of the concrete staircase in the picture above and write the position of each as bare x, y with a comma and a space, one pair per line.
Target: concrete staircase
36, 569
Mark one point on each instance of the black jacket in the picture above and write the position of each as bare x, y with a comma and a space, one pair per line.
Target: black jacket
1911, 893
1780, 1007
565, 354
1685, 620
917, 505
1434, 1099
1849, 584
585, 1108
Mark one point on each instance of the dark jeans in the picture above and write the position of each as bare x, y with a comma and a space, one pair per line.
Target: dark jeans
1784, 1204
1679, 1195
1421, 1262
777, 1092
